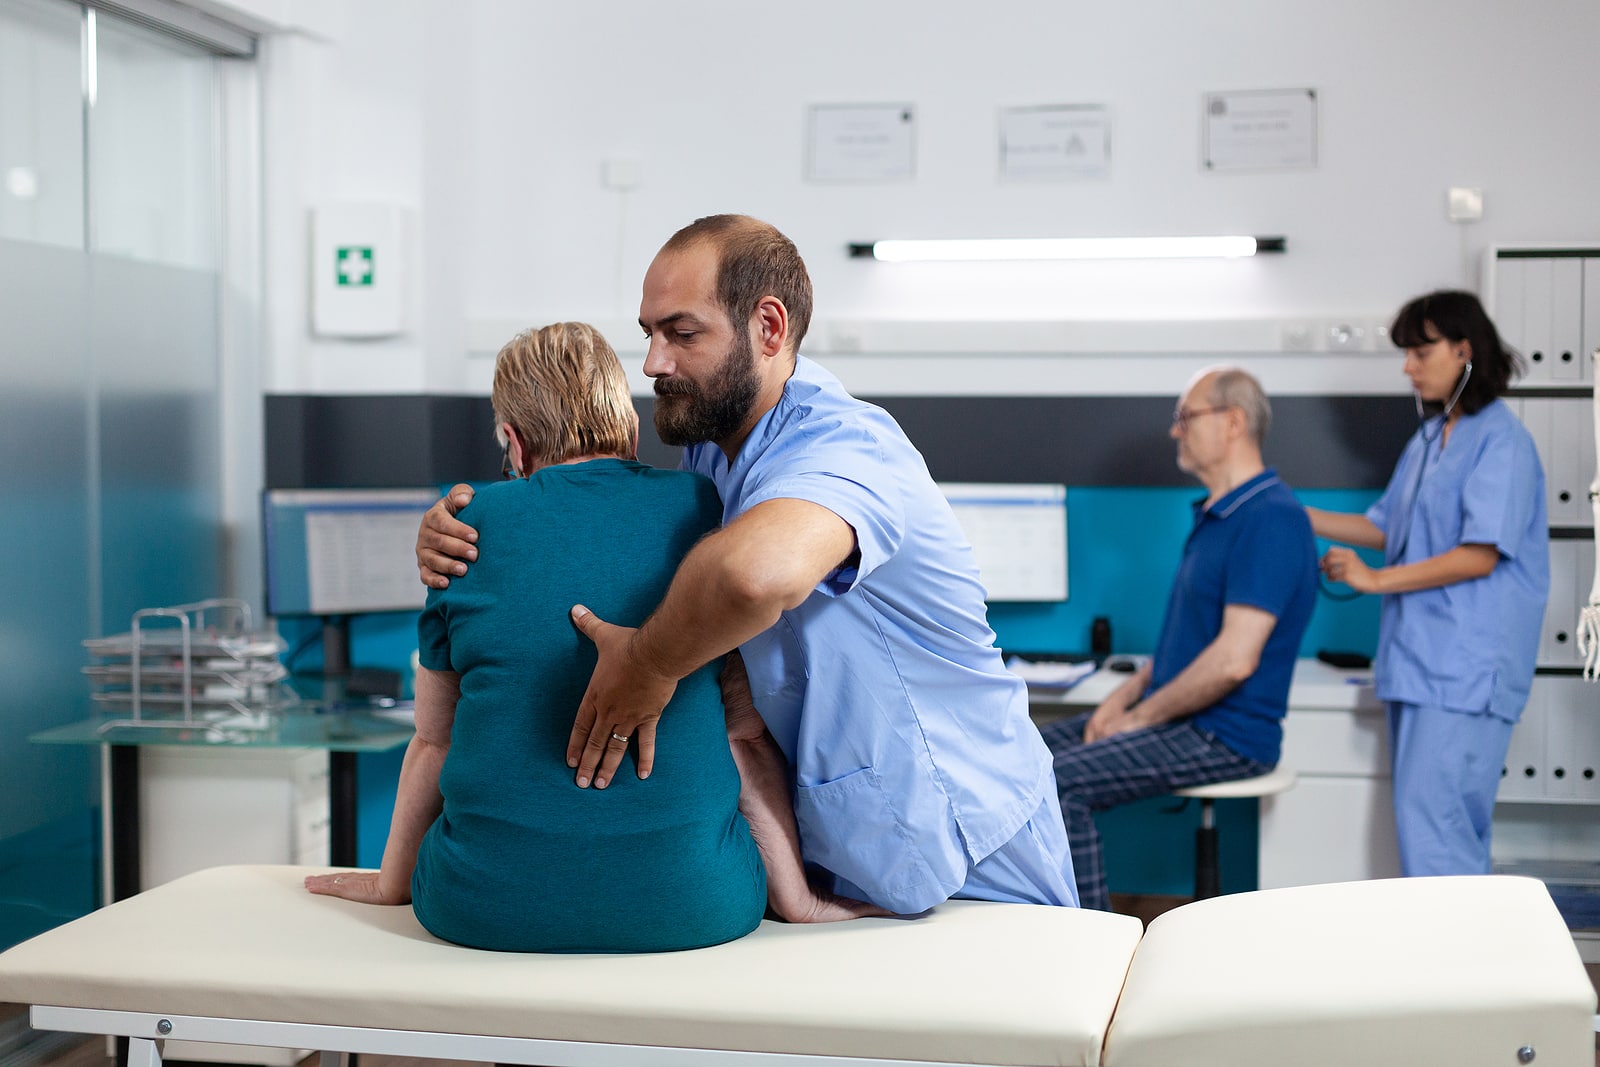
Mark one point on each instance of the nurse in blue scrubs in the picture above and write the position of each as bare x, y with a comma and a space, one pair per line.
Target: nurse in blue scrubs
1466, 572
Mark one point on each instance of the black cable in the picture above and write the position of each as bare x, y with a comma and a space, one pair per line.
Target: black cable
300, 647
1334, 594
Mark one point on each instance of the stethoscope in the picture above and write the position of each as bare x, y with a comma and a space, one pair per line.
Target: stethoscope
1422, 469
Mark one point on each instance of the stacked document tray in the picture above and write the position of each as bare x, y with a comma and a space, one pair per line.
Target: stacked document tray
189, 665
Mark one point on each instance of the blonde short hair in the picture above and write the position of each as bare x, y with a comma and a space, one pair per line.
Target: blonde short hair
563, 390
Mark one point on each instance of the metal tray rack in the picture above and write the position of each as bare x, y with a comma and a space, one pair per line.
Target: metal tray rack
190, 666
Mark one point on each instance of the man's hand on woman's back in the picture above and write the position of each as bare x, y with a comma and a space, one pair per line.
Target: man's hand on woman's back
445, 545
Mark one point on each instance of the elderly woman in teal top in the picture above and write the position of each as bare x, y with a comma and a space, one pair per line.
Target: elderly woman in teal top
1465, 576
491, 842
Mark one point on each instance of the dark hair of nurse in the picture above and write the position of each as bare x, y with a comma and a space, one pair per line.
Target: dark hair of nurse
1456, 318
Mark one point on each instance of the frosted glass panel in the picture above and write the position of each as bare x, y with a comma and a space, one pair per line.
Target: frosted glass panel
155, 344
47, 861
152, 148
41, 122
109, 399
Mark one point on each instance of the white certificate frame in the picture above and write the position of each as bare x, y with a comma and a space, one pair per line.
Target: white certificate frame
1259, 130
1055, 142
861, 143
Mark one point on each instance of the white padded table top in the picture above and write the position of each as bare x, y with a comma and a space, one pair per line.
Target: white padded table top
1459, 971
968, 982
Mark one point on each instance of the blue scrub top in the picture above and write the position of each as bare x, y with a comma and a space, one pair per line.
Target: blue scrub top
913, 752
1469, 646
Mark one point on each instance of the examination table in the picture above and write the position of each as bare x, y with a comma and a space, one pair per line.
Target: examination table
1452, 971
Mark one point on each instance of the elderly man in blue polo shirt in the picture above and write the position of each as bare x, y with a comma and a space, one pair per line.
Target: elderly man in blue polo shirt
1209, 706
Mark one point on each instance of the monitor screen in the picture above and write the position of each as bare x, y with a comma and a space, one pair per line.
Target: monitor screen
343, 551
1018, 534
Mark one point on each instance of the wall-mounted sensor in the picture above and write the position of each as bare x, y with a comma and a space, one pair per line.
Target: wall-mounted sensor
1465, 205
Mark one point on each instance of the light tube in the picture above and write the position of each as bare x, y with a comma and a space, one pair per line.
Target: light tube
1037, 248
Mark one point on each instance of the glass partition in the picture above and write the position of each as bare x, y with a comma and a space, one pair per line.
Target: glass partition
110, 388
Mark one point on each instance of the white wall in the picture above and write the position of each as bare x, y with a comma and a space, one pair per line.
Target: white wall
494, 118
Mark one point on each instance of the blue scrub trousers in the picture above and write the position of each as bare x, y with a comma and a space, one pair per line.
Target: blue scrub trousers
1446, 766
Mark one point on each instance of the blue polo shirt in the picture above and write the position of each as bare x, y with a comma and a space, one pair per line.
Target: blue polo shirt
1252, 547
1469, 646
913, 753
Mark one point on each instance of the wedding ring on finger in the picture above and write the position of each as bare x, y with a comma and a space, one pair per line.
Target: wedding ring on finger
618, 737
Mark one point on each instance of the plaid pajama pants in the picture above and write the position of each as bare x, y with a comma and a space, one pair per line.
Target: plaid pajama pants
1124, 768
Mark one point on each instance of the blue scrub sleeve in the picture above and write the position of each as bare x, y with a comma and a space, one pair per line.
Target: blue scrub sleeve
865, 498
1497, 498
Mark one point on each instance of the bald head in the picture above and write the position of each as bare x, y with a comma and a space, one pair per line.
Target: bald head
1228, 386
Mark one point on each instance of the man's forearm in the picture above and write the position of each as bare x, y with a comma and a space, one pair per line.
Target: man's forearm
736, 582
1219, 669
1200, 685
707, 611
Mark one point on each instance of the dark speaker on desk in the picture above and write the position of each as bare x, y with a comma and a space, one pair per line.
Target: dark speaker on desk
1100, 637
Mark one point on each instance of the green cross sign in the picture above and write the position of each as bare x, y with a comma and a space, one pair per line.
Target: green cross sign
352, 265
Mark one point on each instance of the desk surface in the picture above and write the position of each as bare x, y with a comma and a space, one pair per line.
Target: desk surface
326, 718
342, 730
1315, 685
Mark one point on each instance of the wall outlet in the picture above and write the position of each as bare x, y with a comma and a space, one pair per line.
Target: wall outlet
1298, 337
1345, 337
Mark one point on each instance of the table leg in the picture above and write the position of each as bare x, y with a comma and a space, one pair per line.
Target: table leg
342, 809
125, 874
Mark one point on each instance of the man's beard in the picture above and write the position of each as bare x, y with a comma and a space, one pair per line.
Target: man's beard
687, 414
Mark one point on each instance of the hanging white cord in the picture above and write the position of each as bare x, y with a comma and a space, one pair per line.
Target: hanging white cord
1589, 617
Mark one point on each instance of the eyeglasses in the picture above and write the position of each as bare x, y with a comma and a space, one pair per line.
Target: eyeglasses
1181, 417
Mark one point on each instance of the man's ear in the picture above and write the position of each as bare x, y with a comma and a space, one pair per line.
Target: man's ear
771, 321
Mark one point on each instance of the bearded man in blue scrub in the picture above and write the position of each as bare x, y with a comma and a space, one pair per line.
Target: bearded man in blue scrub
1209, 706
841, 576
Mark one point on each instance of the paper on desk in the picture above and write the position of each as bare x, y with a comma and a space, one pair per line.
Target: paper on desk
1050, 675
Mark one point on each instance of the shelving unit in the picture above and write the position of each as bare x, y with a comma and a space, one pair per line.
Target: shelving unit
1545, 300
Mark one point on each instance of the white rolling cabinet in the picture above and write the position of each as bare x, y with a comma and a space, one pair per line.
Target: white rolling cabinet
1337, 823
205, 807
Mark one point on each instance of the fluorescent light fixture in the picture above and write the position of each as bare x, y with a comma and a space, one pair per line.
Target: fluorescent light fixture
1015, 248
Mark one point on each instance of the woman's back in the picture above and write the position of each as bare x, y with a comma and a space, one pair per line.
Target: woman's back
521, 858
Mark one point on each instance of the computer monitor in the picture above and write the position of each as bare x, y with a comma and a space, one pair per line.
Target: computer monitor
1018, 534
333, 553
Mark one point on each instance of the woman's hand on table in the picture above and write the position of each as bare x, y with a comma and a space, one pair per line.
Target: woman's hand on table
363, 887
